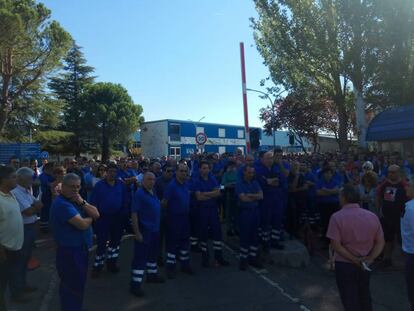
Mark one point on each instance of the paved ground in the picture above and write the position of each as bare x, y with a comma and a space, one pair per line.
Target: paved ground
276, 288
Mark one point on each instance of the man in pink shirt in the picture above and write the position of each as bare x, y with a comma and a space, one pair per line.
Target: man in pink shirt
357, 238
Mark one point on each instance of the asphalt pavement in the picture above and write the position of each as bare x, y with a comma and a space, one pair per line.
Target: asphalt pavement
224, 288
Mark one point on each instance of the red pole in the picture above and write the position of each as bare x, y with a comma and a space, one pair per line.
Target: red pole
246, 113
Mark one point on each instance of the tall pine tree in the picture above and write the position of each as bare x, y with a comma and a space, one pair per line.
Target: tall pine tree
69, 86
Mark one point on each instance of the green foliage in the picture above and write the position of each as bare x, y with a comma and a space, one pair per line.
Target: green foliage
69, 87
54, 141
31, 46
340, 46
111, 114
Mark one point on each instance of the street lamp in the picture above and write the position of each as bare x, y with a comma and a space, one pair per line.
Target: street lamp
273, 112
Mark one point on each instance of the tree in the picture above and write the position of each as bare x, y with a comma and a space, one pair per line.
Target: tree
69, 86
31, 46
111, 114
364, 47
304, 113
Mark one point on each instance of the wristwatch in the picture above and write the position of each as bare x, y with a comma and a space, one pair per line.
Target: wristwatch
83, 203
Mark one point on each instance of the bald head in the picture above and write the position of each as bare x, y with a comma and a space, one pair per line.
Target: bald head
148, 181
394, 173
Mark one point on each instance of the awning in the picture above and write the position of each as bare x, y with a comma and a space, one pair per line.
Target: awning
392, 124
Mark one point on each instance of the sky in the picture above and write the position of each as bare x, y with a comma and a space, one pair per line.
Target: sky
179, 59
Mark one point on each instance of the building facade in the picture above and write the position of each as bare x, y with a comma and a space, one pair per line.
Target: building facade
176, 138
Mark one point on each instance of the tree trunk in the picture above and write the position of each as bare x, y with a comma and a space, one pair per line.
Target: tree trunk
360, 118
343, 126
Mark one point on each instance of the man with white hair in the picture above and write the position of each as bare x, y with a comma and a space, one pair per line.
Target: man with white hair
29, 207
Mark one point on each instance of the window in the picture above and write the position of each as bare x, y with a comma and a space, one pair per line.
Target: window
175, 152
222, 133
175, 132
222, 149
240, 133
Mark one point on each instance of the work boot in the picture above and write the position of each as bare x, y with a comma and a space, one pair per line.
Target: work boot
255, 263
243, 266
171, 274
113, 268
187, 270
222, 262
136, 291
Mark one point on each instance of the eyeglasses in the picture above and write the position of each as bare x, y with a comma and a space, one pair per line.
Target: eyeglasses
182, 171
169, 171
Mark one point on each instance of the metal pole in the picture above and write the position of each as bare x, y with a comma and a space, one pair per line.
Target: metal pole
246, 113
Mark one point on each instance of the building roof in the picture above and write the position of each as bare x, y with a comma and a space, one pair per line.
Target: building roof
198, 123
392, 124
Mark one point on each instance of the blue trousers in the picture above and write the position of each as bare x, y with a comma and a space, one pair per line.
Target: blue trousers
44, 215
178, 239
210, 222
271, 219
107, 228
249, 226
72, 267
145, 256
19, 267
194, 224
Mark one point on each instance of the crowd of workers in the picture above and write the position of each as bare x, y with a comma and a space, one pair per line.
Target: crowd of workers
174, 208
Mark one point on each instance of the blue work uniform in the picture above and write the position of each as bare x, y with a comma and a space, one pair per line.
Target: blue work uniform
46, 198
178, 223
148, 209
71, 253
249, 220
110, 200
209, 218
329, 204
272, 208
194, 215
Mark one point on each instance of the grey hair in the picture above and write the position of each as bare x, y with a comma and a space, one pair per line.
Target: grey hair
70, 178
24, 172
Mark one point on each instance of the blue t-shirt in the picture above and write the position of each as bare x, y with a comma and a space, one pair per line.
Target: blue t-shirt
178, 197
242, 186
322, 183
109, 199
148, 208
262, 173
208, 185
64, 233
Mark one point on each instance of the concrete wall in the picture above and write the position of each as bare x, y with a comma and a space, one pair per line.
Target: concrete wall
154, 139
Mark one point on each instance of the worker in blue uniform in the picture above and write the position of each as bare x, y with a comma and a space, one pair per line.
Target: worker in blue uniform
177, 202
46, 179
249, 194
272, 182
110, 197
130, 180
146, 216
70, 219
207, 191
